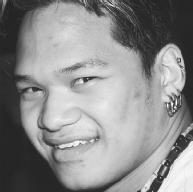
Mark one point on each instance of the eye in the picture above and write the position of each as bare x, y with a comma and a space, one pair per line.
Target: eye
29, 93
83, 80
30, 90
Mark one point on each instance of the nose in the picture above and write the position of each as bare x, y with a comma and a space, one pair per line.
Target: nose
57, 112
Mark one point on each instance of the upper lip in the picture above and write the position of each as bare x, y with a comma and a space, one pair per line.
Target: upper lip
54, 139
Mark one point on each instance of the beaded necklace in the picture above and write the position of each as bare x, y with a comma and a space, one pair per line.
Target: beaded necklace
158, 177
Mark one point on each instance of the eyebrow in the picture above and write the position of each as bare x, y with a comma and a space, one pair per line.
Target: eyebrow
91, 63
24, 78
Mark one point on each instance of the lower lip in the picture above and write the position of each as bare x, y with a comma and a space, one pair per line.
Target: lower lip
74, 153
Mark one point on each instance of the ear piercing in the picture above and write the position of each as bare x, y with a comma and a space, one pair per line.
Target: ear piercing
174, 104
179, 60
175, 101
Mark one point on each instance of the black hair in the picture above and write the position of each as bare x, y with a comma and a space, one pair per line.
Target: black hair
142, 25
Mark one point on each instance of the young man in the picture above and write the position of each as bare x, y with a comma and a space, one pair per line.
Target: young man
101, 85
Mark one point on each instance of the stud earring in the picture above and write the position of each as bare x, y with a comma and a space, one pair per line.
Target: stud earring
179, 60
174, 104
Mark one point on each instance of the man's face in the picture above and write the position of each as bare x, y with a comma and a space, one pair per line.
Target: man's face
86, 104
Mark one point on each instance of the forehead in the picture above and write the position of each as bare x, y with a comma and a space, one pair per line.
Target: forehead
58, 26
64, 34
64, 17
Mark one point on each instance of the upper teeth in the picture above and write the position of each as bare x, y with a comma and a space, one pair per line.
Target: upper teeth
75, 144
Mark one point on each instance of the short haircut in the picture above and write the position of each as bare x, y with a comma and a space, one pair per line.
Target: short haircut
144, 26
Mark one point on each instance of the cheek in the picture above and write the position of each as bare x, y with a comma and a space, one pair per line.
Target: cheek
120, 104
29, 118
122, 126
120, 112
29, 121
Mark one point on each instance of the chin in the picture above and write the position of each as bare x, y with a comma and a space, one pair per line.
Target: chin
82, 182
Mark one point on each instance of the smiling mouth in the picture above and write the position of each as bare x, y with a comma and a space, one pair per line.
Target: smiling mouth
75, 143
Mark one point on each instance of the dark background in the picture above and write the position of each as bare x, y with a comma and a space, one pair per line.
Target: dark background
21, 167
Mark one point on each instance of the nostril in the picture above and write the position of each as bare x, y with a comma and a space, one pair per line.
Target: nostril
55, 121
49, 124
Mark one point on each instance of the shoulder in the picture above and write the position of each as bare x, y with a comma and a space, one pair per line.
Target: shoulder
180, 177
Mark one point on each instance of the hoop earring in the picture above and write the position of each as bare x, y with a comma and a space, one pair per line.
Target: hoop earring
174, 104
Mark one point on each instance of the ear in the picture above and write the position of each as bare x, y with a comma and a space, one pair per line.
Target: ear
172, 71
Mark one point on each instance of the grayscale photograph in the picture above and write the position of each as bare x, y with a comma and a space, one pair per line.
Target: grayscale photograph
96, 96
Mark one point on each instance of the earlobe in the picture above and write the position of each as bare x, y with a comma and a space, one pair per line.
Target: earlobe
173, 77
172, 71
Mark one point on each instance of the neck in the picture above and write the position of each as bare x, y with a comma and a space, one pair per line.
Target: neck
137, 179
